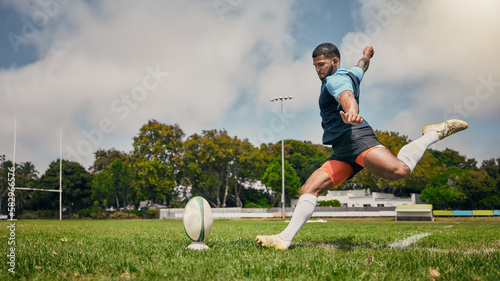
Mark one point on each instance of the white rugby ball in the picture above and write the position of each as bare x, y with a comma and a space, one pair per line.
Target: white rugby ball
197, 219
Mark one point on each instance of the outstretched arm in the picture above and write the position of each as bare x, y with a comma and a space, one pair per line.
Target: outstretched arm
350, 107
364, 62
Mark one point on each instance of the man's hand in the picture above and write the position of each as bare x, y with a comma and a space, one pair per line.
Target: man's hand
364, 62
351, 118
368, 52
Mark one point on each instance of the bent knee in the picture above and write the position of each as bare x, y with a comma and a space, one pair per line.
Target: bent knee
398, 172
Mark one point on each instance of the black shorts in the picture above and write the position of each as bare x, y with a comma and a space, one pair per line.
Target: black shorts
351, 144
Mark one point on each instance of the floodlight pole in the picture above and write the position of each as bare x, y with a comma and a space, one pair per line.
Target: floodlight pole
60, 174
281, 98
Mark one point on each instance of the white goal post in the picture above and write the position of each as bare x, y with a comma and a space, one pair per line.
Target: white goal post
60, 170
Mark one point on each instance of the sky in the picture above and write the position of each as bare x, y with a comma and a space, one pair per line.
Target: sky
99, 70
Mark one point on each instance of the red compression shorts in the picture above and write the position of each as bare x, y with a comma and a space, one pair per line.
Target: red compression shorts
339, 171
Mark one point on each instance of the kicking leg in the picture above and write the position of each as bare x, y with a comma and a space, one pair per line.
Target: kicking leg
411, 153
382, 163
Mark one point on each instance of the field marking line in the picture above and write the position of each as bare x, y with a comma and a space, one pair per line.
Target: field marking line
408, 241
320, 220
468, 252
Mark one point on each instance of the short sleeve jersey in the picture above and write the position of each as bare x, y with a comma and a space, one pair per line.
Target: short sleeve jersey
331, 87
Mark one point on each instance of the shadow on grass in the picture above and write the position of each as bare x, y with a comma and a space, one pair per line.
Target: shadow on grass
343, 244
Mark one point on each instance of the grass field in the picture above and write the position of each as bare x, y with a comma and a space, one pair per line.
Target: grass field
368, 249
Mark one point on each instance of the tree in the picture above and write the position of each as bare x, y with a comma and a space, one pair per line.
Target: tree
158, 142
304, 156
491, 167
101, 188
194, 176
76, 186
218, 167
451, 158
479, 189
153, 181
156, 161
213, 156
273, 179
120, 177
442, 191
104, 159
26, 174
248, 166
113, 185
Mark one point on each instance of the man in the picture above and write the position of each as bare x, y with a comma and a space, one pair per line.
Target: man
354, 142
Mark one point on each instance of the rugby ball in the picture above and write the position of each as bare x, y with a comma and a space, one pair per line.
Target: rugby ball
197, 219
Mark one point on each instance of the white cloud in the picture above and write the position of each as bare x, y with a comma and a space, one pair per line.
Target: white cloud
230, 60
93, 77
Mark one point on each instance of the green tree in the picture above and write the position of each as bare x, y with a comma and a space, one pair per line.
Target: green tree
442, 191
255, 198
491, 167
246, 168
218, 167
213, 156
104, 159
113, 185
76, 186
101, 188
479, 189
451, 158
273, 179
153, 181
26, 175
121, 179
304, 156
194, 177
156, 161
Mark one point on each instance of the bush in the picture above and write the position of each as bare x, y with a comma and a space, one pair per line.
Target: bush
329, 203
93, 213
262, 203
255, 205
152, 214
135, 212
86, 212
40, 214
122, 215
99, 214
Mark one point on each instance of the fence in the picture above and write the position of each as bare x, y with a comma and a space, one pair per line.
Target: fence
332, 212
319, 212
466, 213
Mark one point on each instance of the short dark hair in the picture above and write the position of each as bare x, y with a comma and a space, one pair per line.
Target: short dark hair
326, 49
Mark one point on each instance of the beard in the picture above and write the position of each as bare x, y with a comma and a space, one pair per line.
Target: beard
330, 71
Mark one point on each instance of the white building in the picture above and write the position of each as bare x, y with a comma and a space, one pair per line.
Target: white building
366, 198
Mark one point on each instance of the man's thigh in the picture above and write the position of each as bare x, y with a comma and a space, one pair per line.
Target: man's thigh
331, 174
382, 163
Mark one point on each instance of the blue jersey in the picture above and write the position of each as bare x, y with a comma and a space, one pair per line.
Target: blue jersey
331, 87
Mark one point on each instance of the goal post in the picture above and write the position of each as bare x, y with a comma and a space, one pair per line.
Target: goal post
60, 170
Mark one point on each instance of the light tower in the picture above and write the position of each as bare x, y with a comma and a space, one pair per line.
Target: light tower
281, 98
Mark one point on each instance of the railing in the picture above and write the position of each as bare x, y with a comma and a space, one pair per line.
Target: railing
466, 213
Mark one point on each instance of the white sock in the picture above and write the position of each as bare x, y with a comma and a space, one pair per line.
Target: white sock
411, 153
303, 211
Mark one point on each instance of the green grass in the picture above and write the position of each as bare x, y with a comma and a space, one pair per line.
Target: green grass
460, 249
